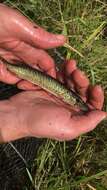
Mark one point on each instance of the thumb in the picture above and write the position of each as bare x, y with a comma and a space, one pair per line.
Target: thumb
31, 33
37, 36
88, 122
43, 39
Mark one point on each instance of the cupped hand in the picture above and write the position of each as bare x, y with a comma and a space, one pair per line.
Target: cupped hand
23, 40
39, 114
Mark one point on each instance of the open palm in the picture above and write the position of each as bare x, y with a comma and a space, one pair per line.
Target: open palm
37, 113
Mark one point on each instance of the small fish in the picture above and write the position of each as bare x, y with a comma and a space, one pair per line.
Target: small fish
47, 83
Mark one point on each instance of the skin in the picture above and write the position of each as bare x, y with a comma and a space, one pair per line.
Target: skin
35, 112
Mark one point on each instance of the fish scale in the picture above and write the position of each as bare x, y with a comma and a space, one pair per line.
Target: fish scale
47, 83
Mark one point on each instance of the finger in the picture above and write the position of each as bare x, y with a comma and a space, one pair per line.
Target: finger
81, 82
64, 75
70, 66
5, 75
33, 56
96, 96
29, 32
25, 85
37, 58
60, 76
85, 123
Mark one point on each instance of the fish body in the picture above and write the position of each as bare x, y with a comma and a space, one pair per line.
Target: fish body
47, 83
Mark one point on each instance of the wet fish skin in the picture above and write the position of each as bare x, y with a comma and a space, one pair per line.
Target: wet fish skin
47, 83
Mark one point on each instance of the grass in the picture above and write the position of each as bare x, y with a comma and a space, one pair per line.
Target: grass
82, 163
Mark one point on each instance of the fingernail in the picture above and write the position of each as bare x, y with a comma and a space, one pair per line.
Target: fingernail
61, 38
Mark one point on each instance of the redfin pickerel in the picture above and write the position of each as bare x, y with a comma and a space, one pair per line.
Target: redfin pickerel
47, 83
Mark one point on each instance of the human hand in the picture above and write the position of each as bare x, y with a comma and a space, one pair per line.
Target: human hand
25, 41
22, 40
38, 114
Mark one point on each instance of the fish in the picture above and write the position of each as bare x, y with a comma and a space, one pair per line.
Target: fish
48, 83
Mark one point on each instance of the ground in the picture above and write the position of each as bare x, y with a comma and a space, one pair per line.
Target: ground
82, 163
